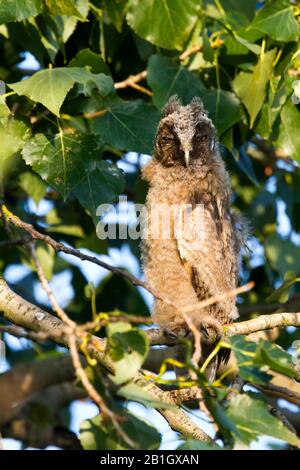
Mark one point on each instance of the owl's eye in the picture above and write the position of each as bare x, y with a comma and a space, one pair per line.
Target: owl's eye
167, 138
202, 138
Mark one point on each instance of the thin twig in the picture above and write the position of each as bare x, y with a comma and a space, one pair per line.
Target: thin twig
107, 414
279, 392
55, 305
21, 333
58, 246
217, 298
72, 341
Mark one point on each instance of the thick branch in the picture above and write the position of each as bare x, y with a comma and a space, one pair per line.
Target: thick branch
49, 402
58, 246
157, 336
22, 381
23, 313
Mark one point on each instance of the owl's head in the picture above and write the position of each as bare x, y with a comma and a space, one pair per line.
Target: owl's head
185, 135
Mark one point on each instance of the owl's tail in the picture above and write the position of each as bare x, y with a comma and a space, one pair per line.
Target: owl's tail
211, 370
221, 358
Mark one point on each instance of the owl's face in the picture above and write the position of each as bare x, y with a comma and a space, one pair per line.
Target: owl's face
185, 136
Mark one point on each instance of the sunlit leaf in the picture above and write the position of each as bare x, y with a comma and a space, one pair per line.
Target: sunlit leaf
252, 419
165, 23
50, 87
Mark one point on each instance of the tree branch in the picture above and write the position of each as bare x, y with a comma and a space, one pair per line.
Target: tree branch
22, 381
48, 403
9, 217
158, 337
22, 312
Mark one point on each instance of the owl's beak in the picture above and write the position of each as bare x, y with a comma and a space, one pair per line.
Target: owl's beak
186, 158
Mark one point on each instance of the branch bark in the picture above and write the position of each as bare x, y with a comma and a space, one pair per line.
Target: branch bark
157, 336
24, 380
23, 313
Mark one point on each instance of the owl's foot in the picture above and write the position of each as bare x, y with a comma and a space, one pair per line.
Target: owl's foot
211, 330
174, 330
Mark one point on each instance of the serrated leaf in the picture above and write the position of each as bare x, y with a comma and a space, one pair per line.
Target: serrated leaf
276, 19
62, 159
282, 290
128, 348
13, 135
101, 184
63, 7
92, 61
165, 23
252, 420
115, 12
251, 87
166, 78
72, 162
134, 392
223, 107
18, 10
128, 126
252, 356
95, 435
50, 87
268, 354
283, 255
33, 186
192, 444
289, 137
46, 256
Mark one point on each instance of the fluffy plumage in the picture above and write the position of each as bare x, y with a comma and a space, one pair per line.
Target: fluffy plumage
187, 168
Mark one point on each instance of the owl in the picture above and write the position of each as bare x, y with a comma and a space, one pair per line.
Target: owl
199, 257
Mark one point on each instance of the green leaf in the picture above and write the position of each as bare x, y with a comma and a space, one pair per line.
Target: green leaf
276, 19
18, 10
223, 107
283, 290
251, 87
245, 8
134, 392
252, 419
100, 184
245, 350
72, 162
192, 444
128, 126
33, 186
62, 159
166, 78
92, 61
268, 354
51, 86
252, 356
166, 23
13, 135
95, 435
115, 12
282, 255
46, 256
289, 137
128, 348
63, 7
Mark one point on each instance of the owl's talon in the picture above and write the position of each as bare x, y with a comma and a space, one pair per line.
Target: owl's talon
212, 330
175, 330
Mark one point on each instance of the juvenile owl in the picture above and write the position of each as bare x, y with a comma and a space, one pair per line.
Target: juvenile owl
200, 256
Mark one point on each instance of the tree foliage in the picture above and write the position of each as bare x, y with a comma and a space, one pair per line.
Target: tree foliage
105, 70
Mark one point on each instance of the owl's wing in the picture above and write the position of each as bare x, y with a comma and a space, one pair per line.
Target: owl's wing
207, 249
